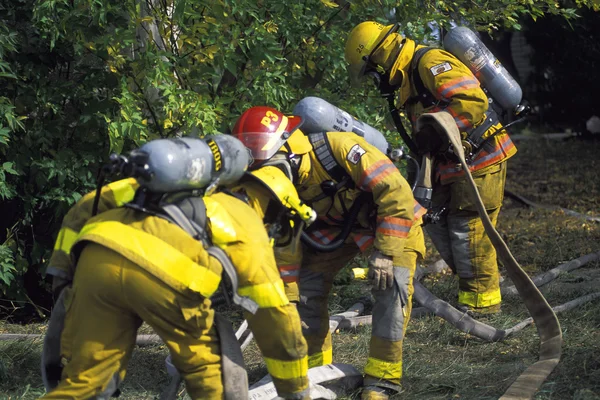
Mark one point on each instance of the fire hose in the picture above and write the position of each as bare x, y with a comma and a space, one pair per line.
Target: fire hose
542, 314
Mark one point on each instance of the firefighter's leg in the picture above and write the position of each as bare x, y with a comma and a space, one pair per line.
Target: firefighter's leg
439, 232
391, 313
289, 259
316, 279
99, 332
185, 324
474, 255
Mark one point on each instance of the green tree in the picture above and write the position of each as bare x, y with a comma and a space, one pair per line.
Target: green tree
82, 78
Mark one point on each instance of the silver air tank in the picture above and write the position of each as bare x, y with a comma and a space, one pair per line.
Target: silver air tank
191, 163
322, 116
468, 48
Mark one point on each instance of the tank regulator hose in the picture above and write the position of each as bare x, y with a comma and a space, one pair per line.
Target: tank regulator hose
339, 240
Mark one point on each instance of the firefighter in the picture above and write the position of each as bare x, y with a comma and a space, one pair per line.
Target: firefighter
431, 80
126, 266
330, 172
271, 193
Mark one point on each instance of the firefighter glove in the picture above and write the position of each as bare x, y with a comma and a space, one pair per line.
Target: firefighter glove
381, 271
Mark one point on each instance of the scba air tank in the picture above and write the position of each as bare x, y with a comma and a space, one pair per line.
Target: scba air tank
321, 116
468, 48
191, 163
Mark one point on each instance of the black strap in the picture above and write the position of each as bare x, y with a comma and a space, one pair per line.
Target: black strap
399, 125
475, 135
322, 149
424, 96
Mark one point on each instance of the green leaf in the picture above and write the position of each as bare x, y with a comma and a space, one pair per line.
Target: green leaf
8, 167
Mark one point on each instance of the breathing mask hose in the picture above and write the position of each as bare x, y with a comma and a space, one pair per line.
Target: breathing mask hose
399, 125
339, 240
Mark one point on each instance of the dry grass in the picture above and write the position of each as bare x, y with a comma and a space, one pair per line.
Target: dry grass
439, 361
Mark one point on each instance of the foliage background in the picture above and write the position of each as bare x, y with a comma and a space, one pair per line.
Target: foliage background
82, 78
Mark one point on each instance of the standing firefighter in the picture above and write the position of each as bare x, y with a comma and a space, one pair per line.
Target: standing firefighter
430, 80
352, 186
155, 253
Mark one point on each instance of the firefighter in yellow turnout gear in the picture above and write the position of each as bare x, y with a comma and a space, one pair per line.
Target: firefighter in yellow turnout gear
271, 193
390, 221
129, 267
429, 81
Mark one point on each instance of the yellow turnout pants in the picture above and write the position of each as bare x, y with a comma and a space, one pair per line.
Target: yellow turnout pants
461, 239
109, 300
391, 310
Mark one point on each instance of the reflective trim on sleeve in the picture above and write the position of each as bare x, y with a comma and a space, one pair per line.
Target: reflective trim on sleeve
123, 190
363, 241
287, 369
289, 273
486, 299
266, 295
157, 257
383, 369
65, 239
460, 120
419, 210
321, 358
375, 173
457, 85
392, 226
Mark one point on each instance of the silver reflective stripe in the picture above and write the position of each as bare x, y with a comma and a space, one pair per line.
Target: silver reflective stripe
389, 307
283, 273
461, 246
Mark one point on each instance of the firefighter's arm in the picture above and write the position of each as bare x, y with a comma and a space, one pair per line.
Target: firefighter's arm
113, 195
373, 172
276, 323
450, 80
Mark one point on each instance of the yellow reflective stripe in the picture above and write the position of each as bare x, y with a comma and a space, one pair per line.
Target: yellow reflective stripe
287, 369
485, 299
321, 358
65, 240
277, 134
266, 295
123, 190
157, 257
383, 369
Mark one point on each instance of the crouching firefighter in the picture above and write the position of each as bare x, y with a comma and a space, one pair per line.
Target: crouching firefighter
162, 243
361, 201
422, 80
271, 193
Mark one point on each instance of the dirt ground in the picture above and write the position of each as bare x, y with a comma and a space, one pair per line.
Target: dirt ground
439, 361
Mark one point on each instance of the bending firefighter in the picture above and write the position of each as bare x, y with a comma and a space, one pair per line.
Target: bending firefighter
160, 246
345, 180
271, 193
422, 80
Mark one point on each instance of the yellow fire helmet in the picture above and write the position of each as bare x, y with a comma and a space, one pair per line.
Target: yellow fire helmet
362, 41
283, 189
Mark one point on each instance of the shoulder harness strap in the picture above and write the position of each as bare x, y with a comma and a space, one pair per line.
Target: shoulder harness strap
322, 149
190, 215
324, 154
424, 96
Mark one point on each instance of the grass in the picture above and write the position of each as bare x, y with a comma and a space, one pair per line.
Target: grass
439, 361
